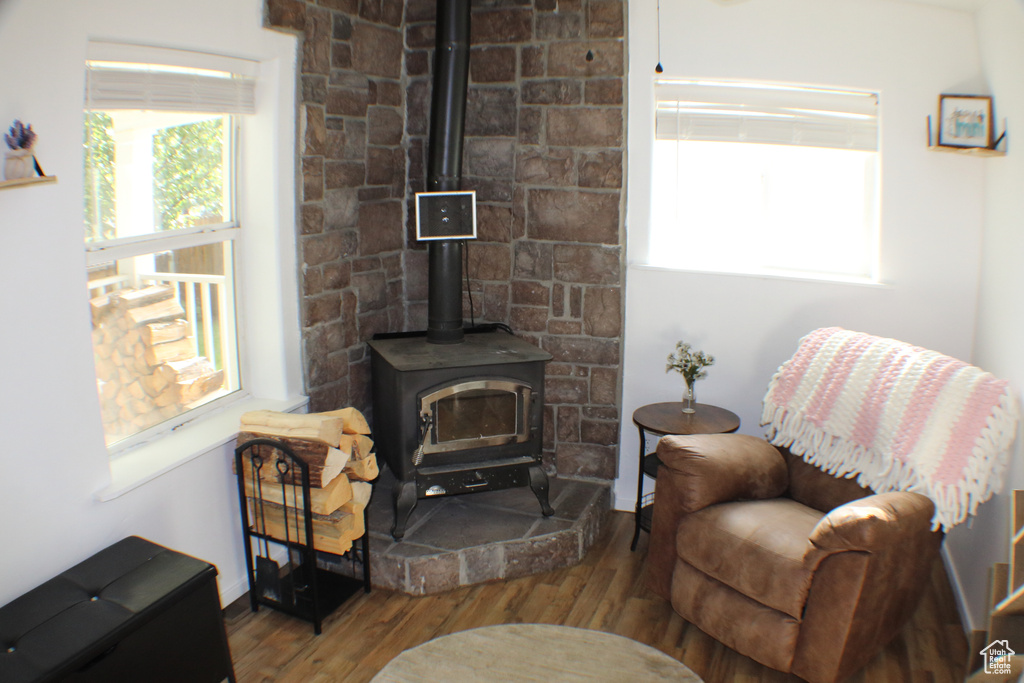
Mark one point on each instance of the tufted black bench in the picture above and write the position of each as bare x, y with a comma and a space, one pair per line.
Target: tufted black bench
135, 611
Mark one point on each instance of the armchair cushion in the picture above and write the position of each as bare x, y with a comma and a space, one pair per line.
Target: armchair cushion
755, 547
818, 489
718, 468
745, 625
701, 470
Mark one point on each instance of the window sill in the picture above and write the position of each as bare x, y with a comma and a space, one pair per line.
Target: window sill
817, 278
147, 462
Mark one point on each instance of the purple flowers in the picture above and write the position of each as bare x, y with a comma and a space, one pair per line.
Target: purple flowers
20, 136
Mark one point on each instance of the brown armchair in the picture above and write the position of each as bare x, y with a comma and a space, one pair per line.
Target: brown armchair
801, 571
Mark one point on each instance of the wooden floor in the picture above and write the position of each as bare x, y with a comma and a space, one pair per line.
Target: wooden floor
605, 593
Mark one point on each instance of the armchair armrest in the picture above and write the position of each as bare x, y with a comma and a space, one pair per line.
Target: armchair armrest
859, 599
717, 468
874, 522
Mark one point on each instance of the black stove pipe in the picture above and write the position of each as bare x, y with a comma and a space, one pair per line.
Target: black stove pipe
444, 165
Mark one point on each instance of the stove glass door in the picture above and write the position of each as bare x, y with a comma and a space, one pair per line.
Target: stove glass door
475, 413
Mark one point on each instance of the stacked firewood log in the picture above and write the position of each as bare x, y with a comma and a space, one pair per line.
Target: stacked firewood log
147, 370
339, 454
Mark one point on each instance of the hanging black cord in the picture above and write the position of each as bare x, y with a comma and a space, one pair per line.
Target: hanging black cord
659, 69
469, 290
590, 53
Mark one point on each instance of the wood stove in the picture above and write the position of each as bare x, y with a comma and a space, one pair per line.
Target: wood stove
458, 418
455, 412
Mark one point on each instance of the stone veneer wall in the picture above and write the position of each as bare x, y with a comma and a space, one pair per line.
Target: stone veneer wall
545, 152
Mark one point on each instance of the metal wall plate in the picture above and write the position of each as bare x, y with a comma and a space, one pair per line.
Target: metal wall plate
446, 215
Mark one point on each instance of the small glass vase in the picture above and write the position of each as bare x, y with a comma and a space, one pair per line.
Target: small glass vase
689, 398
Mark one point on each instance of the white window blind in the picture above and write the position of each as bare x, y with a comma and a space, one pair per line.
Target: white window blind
769, 114
153, 79
765, 179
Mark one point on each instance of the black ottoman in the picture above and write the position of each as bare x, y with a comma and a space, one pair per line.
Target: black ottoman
135, 611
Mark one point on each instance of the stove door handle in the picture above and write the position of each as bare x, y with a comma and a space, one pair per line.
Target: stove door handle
426, 422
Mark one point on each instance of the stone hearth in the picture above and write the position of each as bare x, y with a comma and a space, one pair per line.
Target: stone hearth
464, 540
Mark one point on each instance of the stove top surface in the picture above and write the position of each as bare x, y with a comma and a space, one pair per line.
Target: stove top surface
407, 354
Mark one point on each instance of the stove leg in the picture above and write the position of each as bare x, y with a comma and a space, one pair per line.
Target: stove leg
404, 495
539, 484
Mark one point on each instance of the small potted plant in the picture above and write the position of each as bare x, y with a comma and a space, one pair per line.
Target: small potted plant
691, 365
19, 160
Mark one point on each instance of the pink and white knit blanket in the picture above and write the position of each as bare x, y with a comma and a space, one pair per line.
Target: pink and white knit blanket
896, 417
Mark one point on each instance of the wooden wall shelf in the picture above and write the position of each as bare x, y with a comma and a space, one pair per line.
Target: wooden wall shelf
19, 182
969, 151
993, 151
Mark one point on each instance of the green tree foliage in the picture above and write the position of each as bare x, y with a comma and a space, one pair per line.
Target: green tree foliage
100, 218
188, 178
188, 174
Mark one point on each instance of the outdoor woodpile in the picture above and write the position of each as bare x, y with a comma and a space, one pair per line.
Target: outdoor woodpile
147, 369
339, 453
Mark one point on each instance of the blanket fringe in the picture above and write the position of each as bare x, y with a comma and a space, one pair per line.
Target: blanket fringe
982, 476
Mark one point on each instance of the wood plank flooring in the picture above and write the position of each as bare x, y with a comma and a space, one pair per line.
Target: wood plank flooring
604, 593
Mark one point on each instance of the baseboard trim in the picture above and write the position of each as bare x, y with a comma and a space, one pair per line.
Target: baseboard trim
976, 641
234, 590
623, 503
958, 592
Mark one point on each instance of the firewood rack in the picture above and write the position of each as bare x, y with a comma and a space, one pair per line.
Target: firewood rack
284, 572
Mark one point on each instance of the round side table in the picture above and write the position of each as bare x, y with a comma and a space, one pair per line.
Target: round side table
659, 419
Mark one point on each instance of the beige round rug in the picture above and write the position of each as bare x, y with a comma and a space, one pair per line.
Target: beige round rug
533, 652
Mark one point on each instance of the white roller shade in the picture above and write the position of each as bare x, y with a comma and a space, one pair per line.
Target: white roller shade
152, 79
781, 115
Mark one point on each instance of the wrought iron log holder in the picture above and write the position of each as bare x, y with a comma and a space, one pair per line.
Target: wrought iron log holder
283, 572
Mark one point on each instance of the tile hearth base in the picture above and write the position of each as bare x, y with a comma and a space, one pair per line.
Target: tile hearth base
464, 540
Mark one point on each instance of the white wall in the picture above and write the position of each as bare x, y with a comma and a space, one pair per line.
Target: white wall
931, 203
999, 338
53, 461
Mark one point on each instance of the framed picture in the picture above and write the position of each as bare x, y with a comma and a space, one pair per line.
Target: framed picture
965, 121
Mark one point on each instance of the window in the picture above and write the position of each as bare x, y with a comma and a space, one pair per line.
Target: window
160, 234
765, 179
